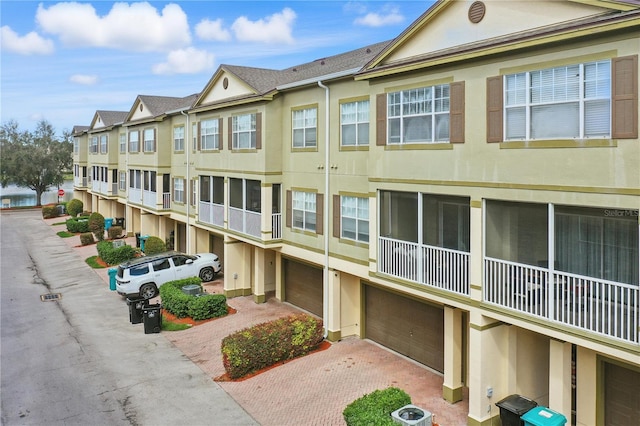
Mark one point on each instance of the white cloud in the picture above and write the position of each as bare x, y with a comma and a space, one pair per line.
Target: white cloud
85, 80
29, 44
185, 61
388, 16
134, 27
273, 29
212, 30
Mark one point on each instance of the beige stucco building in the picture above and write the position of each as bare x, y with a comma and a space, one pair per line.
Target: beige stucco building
466, 194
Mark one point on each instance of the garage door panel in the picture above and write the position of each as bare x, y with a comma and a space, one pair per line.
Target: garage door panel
303, 286
407, 326
622, 395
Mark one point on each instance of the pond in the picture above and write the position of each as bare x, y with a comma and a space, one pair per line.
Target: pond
24, 197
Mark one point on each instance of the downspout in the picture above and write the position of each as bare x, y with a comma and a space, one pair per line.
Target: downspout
325, 208
188, 146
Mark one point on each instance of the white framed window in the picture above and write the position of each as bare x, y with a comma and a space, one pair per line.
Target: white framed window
418, 115
304, 123
209, 134
244, 131
354, 123
104, 143
178, 138
194, 137
149, 140
134, 141
76, 145
354, 218
194, 192
122, 181
178, 190
123, 143
567, 102
93, 145
304, 210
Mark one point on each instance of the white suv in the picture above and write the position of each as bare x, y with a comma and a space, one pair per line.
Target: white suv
143, 276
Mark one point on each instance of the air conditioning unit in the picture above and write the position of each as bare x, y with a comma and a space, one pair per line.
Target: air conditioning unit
117, 243
410, 415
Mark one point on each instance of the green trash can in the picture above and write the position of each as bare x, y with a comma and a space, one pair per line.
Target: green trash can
112, 278
143, 238
108, 223
543, 416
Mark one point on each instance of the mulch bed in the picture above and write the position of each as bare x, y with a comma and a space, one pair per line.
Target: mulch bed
168, 316
324, 345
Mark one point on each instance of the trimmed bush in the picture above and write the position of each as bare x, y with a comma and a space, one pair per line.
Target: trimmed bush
114, 256
207, 306
185, 305
77, 225
266, 344
114, 232
74, 207
375, 408
154, 245
86, 238
96, 225
49, 211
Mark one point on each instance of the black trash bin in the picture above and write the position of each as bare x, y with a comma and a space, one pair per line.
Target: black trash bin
135, 309
514, 406
120, 222
137, 240
152, 318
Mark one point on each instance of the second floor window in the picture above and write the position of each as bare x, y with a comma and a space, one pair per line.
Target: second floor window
178, 190
354, 218
563, 102
93, 145
123, 143
304, 123
76, 145
134, 141
104, 140
354, 123
244, 131
418, 115
149, 140
212, 189
122, 182
304, 210
209, 134
178, 138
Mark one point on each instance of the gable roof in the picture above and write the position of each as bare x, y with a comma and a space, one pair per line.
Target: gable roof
107, 119
156, 107
78, 130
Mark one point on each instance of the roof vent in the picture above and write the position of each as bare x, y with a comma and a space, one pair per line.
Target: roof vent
294, 70
368, 50
321, 62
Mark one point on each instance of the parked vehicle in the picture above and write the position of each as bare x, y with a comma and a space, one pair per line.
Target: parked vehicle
143, 276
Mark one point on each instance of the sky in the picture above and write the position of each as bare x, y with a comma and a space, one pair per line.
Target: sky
63, 61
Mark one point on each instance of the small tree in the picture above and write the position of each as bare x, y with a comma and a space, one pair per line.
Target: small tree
154, 245
96, 225
74, 207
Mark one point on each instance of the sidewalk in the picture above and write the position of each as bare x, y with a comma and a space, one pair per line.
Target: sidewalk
312, 390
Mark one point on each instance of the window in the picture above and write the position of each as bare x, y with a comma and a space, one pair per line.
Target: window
212, 189
104, 139
76, 145
194, 193
178, 190
194, 137
122, 181
93, 145
304, 210
354, 123
565, 102
134, 141
135, 179
418, 115
161, 264
304, 122
354, 218
123, 143
178, 138
244, 131
209, 134
149, 140
149, 181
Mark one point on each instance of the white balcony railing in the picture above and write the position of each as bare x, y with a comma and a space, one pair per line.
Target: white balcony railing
149, 198
598, 306
166, 200
135, 195
276, 226
433, 266
211, 213
245, 221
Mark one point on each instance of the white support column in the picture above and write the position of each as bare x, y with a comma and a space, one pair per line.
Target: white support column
333, 310
452, 385
259, 272
586, 387
560, 377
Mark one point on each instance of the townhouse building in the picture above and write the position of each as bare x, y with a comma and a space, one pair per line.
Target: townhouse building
466, 195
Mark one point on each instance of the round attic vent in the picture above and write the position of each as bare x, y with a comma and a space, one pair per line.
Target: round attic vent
225, 83
476, 11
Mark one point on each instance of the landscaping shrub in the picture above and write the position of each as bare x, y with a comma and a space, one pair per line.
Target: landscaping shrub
96, 225
86, 238
185, 305
77, 225
266, 344
49, 211
114, 232
117, 255
375, 408
74, 207
154, 245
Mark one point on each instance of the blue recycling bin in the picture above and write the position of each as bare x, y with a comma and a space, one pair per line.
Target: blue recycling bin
143, 238
108, 223
112, 278
543, 416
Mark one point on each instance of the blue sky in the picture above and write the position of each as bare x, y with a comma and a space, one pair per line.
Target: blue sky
62, 61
